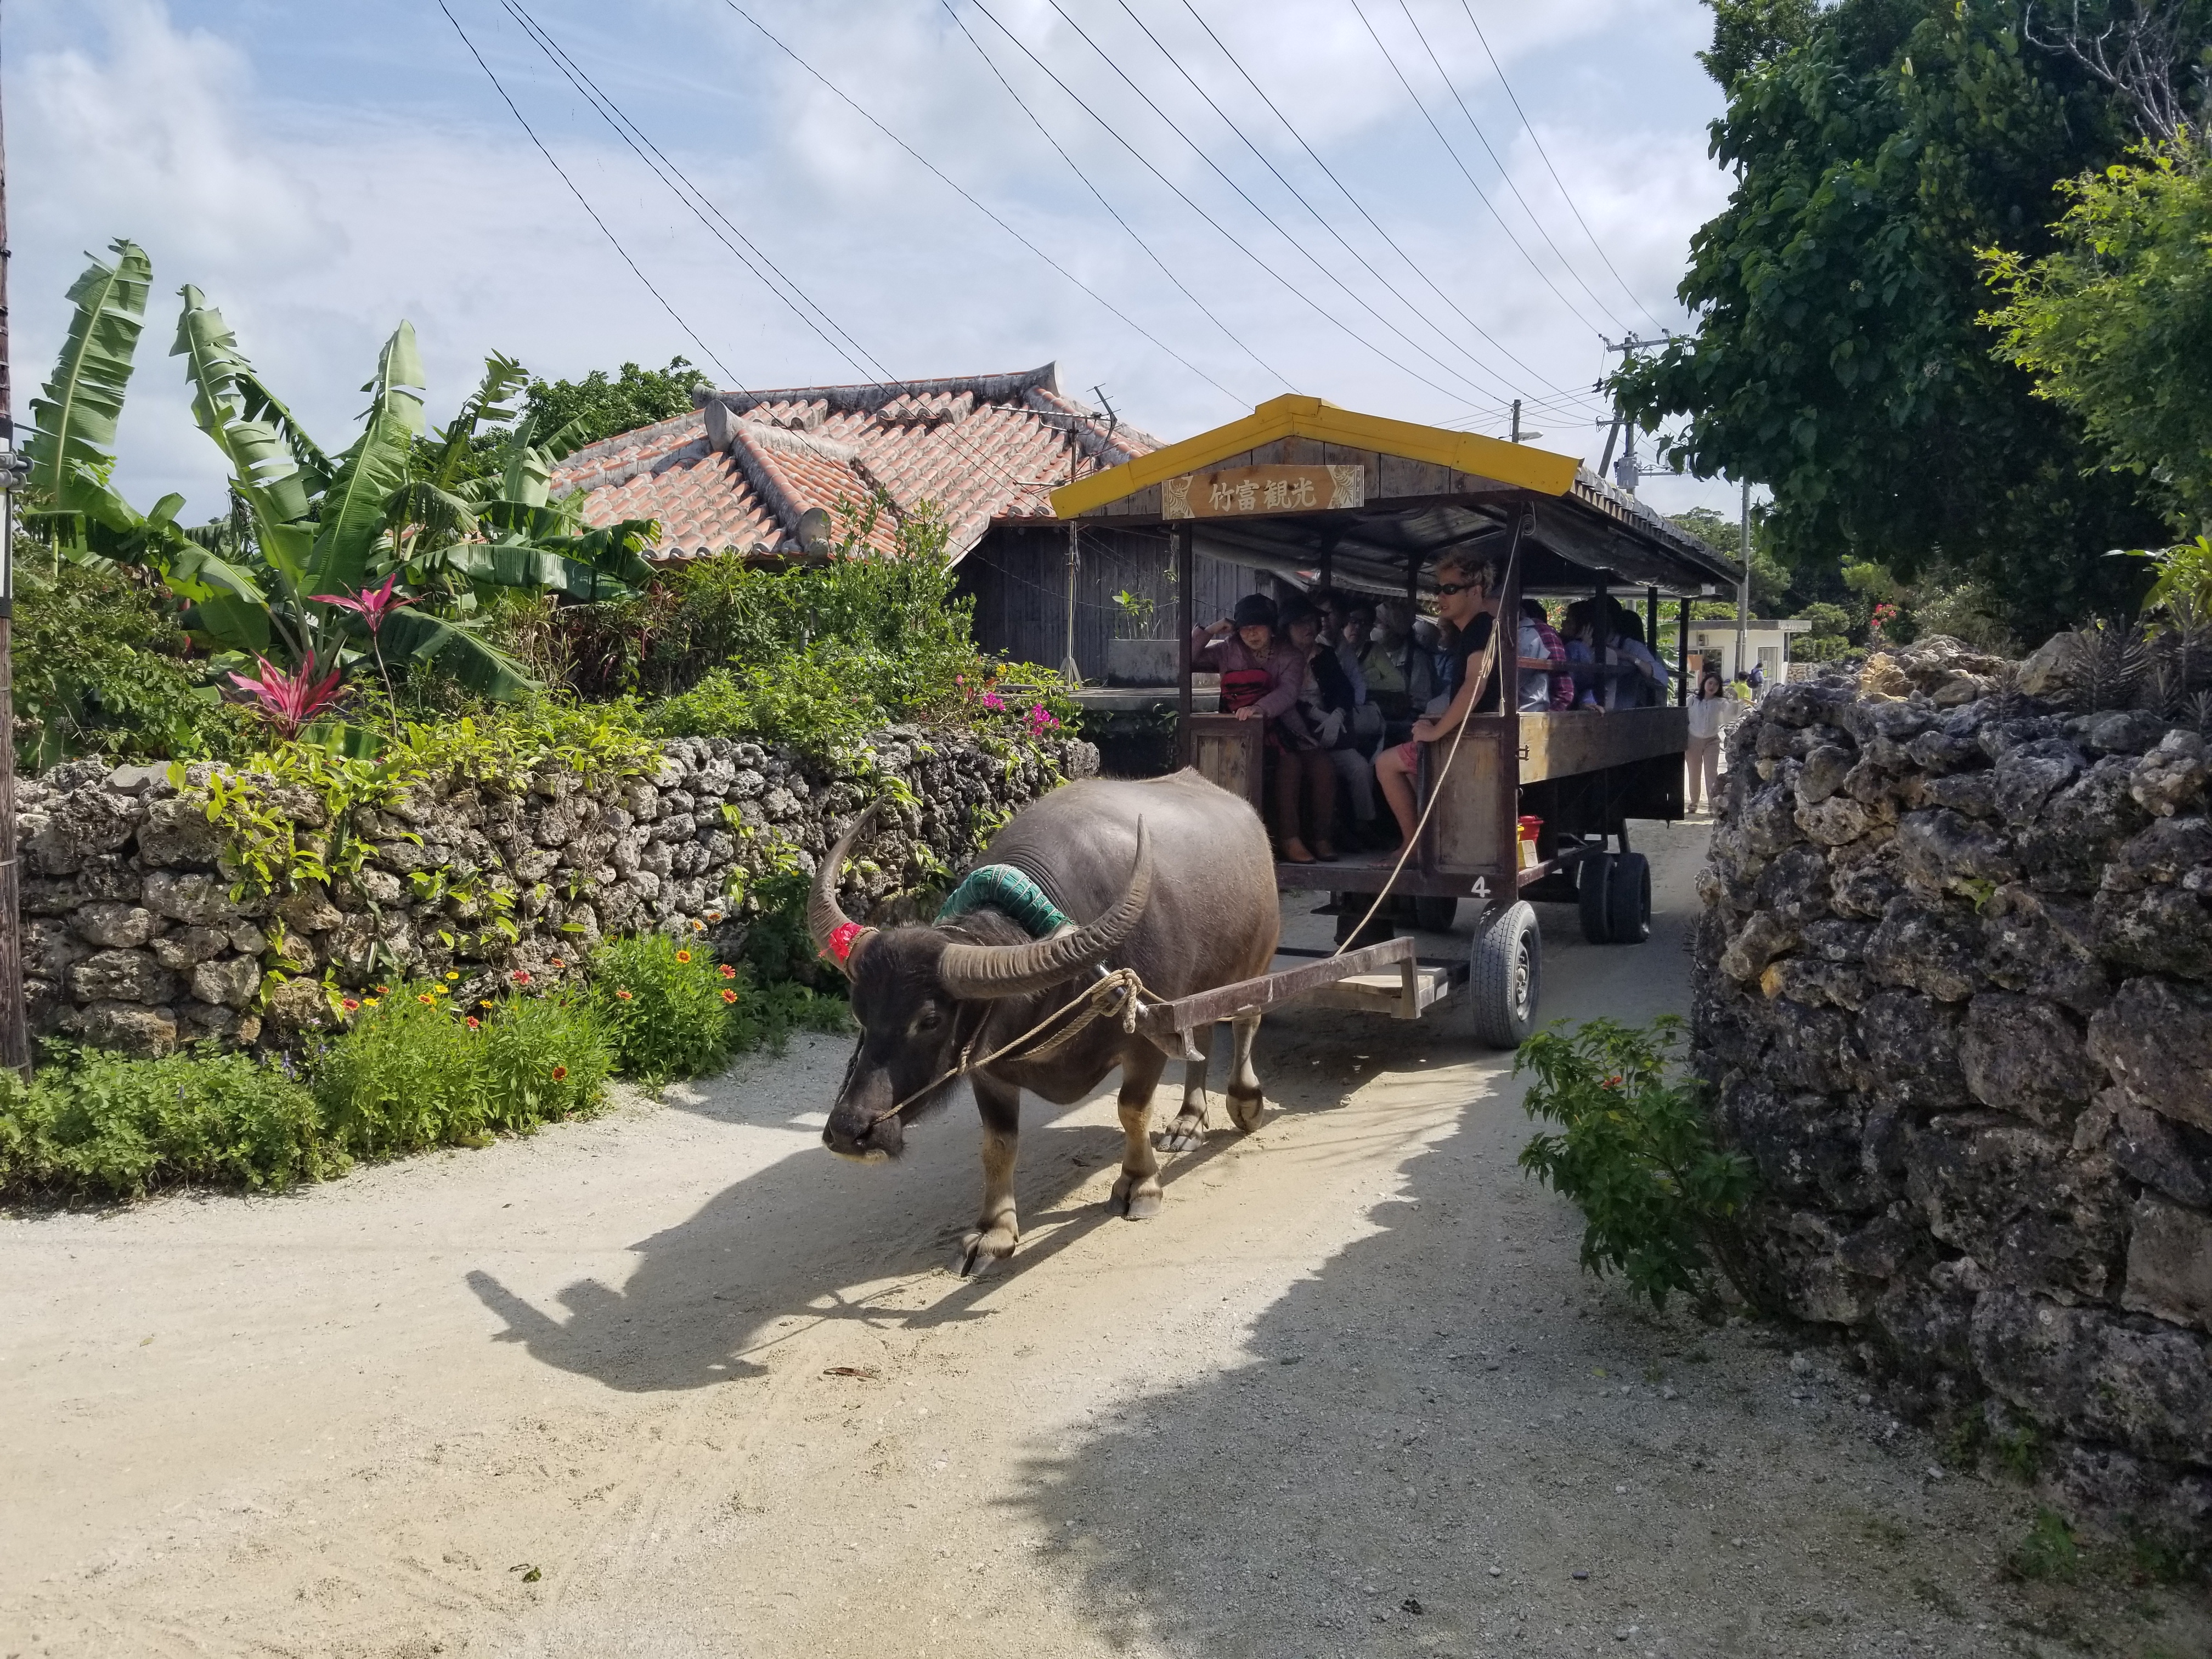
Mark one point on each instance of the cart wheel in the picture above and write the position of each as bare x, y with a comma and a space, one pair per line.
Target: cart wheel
1505, 975
1628, 899
1595, 879
1435, 915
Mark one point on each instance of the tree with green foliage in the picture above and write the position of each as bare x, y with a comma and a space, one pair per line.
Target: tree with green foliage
2116, 323
597, 407
1877, 146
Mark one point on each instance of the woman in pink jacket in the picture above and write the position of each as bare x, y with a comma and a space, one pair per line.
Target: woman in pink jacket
1262, 675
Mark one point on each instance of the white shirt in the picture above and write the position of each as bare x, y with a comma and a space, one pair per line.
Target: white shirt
1710, 716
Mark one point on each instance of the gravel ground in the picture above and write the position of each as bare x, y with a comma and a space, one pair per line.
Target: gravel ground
676, 1382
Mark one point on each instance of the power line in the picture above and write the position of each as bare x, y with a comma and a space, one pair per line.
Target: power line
1035, 121
680, 184
866, 364
1450, 86
692, 333
838, 92
1480, 194
1299, 196
1228, 235
1529, 127
1345, 191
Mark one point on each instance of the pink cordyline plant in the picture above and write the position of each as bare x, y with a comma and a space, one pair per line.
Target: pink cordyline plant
373, 605
291, 700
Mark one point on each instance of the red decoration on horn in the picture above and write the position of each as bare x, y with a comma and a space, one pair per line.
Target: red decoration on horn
841, 939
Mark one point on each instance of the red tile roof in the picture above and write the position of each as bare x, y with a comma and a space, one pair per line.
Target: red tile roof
740, 470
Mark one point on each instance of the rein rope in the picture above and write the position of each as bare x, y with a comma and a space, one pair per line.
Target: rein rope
1435, 785
1117, 995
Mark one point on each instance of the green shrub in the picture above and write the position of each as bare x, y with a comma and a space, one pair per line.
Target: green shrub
669, 1009
414, 1071
1659, 1197
98, 1123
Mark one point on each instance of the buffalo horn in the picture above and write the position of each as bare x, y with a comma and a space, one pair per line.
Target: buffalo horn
1013, 970
824, 916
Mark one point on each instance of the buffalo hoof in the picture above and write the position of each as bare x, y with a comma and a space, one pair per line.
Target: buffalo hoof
1186, 1133
1136, 1198
980, 1252
1244, 1111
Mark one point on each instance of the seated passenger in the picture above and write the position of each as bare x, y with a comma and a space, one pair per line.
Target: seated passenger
1562, 684
1262, 676
1464, 602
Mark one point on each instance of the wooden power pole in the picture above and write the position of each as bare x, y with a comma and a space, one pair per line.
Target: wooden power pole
14, 1023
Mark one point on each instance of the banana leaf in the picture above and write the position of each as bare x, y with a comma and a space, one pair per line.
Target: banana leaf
617, 550
488, 405
456, 648
232, 623
518, 564
71, 450
369, 472
264, 446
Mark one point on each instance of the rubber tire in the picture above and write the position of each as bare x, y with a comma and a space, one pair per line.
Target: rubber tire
1594, 885
1505, 975
1628, 899
1435, 915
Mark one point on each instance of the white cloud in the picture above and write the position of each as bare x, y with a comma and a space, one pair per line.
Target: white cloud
320, 204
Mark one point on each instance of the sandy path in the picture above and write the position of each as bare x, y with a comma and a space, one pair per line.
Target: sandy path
571, 1396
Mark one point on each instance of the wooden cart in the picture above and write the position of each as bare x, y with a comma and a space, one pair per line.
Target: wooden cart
1303, 490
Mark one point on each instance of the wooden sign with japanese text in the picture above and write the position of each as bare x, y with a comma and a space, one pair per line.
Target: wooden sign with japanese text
1237, 490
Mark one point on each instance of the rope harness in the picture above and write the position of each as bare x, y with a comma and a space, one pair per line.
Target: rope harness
1117, 994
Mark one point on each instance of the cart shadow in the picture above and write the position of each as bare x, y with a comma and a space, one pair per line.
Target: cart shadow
782, 1251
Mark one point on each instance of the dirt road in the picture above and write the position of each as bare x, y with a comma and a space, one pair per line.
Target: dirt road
677, 1383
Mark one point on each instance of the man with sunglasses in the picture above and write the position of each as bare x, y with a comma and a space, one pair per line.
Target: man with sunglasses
1465, 602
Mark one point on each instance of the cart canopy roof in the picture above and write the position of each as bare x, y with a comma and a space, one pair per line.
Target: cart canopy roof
1300, 482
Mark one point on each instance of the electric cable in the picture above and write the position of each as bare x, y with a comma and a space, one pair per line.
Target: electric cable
1299, 196
1529, 127
1481, 195
1359, 207
1450, 86
866, 364
581, 200
1111, 210
1228, 235
837, 92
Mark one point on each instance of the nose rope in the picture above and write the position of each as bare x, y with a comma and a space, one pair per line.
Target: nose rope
1117, 995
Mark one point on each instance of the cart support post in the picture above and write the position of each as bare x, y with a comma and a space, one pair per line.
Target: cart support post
1682, 655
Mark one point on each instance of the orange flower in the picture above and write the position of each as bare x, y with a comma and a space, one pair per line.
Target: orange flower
557, 962
470, 1021
728, 972
622, 996
559, 1073
349, 1005
698, 926
520, 977
427, 1001
729, 996
684, 956
384, 990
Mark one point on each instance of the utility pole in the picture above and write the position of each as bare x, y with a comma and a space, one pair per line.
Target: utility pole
14, 1023
1519, 436
1743, 578
1630, 471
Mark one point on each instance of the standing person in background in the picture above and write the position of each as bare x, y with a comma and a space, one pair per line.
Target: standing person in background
1712, 711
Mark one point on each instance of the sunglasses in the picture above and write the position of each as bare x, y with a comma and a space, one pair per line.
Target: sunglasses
1445, 590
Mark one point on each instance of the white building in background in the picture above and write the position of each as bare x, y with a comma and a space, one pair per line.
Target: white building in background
1713, 643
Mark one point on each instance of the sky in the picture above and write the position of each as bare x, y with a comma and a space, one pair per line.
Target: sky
1420, 208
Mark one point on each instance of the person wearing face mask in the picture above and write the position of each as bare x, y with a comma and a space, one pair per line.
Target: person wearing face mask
1465, 604
1263, 674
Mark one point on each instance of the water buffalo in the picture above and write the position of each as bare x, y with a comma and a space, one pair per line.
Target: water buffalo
1170, 877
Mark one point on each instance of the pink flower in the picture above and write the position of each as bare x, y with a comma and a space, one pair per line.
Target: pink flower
371, 605
291, 700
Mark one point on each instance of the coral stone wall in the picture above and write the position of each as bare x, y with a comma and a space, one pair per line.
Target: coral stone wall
136, 938
1955, 991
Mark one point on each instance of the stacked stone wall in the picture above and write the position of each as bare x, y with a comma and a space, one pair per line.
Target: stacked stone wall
138, 937
1955, 994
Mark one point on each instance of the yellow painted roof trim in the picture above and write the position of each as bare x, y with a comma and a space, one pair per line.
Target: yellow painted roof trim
1294, 416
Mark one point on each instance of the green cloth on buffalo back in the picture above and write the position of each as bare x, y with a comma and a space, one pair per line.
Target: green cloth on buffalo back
1001, 887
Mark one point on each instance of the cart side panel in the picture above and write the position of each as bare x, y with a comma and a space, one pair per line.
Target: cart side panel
1229, 753
1466, 831
1563, 745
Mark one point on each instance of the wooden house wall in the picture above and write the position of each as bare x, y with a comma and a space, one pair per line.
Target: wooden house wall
1017, 577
